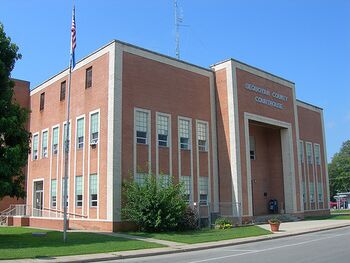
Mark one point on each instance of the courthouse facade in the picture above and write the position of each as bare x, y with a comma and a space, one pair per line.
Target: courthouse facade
234, 135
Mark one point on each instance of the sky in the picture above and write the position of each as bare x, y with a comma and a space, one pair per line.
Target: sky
307, 42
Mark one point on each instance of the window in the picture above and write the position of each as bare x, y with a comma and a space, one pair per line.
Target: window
141, 125
55, 140
44, 138
202, 136
164, 180
42, 101
301, 151
78, 191
317, 154
88, 78
63, 185
184, 134
309, 153
320, 192
312, 192
94, 128
203, 190
80, 133
186, 180
140, 178
53, 193
252, 148
63, 91
304, 192
163, 130
93, 190
35, 147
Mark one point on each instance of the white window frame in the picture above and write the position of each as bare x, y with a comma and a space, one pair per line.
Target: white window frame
317, 154
179, 128
201, 147
69, 138
94, 141
158, 123
148, 127
202, 192
58, 140
44, 154
37, 147
309, 161
82, 191
186, 180
301, 152
312, 193
51, 194
97, 191
80, 145
320, 196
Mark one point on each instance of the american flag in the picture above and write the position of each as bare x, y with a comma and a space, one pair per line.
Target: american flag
73, 40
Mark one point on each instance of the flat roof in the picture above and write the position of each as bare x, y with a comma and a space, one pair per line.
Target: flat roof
256, 68
309, 104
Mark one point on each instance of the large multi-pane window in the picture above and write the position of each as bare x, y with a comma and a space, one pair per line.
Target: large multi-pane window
80, 133
79, 191
141, 125
35, 147
163, 130
164, 180
252, 151
312, 192
309, 153
140, 178
94, 128
317, 154
63, 186
53, 193
184, 134
93, 184
203, 190
55, 140
186, 180
304, 192
44, 139
320, 191
301, 151
202, 138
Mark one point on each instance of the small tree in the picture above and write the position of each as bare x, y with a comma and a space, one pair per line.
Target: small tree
154, 205
14, 138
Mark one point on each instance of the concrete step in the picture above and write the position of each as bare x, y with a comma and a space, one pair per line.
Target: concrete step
282, 217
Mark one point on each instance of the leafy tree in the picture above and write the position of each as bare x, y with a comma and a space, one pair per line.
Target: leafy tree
14, 138
154, 205
339, 170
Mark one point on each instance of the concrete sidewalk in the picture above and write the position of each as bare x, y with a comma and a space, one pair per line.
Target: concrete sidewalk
286, 229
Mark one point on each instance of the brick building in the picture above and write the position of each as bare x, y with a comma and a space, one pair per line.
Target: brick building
234, 135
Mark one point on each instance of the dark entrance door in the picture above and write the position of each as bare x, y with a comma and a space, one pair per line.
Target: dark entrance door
38, 198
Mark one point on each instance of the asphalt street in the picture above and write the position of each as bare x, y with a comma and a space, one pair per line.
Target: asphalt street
326, 246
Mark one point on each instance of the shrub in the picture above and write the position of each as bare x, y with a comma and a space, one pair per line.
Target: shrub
274, 220
189, 220
154, 205
223, 223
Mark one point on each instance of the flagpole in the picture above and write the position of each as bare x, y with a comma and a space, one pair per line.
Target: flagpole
66, 143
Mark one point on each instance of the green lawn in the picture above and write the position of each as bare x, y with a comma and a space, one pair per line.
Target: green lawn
333, 217
18, 242
340, 211
206, 235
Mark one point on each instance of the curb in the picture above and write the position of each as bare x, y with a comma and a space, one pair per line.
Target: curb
182, 250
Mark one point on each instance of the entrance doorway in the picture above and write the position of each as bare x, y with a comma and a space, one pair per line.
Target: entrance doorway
266, 164
38, 198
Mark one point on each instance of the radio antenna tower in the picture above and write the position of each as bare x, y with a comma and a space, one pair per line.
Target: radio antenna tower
178, 21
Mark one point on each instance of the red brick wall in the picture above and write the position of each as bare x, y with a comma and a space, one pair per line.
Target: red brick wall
159, 87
